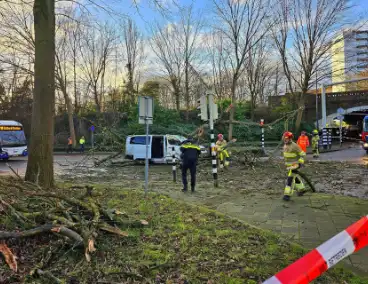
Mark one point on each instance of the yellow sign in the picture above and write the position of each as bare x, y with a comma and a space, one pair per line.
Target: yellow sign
10, 128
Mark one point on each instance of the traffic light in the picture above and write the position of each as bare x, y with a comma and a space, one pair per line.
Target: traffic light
213, 107
202, 107
261, 122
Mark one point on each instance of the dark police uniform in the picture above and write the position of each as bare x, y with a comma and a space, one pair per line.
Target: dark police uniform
189, 156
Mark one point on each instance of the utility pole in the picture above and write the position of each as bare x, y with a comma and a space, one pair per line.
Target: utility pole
174, 164
317, 116
145, 106
262, 136
209, 112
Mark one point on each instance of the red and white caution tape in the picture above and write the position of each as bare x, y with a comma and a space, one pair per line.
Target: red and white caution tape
319, 260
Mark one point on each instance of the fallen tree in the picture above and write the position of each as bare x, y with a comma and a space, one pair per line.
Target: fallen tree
73, 215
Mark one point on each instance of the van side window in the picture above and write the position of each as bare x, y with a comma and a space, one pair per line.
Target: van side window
174, 142
139, 140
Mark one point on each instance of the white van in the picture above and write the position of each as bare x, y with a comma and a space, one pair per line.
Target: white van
160, 147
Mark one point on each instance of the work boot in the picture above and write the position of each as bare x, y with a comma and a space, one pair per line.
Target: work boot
301, 193
286, 198
193, 189
184, 189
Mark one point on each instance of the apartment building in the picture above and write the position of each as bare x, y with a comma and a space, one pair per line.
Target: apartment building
349, 59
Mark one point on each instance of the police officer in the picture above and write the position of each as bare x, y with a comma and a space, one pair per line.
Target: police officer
189, 157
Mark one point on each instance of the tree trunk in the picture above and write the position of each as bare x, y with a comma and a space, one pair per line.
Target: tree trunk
40, 163
69, 108
97, 99
232, 110
131, 87
177, 98
187, 99
299, 117
76, 101
252, 106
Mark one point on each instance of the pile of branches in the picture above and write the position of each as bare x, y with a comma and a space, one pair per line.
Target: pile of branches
74, 214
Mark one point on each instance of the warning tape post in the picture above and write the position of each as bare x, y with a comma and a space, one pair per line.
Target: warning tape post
319, 260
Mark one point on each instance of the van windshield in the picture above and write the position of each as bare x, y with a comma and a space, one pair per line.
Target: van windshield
181, 138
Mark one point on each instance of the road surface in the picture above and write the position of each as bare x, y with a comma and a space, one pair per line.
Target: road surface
19, 164
352, 155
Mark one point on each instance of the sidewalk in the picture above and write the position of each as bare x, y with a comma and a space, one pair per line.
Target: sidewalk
309, 220
334, 148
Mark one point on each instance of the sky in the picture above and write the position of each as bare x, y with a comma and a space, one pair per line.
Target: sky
146, 13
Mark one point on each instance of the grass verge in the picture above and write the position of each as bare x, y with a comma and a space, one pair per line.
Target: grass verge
182, 244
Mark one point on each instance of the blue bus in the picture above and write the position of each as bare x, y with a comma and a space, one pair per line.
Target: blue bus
12, 139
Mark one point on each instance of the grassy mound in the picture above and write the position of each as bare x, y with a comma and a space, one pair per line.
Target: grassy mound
181, 244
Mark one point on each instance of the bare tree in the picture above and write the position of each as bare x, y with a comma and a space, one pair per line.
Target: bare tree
74, 42
16, 37
243, 24
310, 25
167, 47
133, 47
188, 31
258, 73
61, 71
96, 47
218, 58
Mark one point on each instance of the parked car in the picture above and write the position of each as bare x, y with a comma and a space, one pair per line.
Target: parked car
161, 148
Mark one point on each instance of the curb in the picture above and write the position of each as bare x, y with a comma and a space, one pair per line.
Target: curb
84, 154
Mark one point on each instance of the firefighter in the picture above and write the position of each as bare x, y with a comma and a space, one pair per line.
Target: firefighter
303, 141
223, 154
70, 145
315, 143
189, 156
294, 159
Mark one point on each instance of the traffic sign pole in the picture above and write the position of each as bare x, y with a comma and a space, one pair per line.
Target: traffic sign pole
213, 114
262, 136
92, 129
340, 111
146, 117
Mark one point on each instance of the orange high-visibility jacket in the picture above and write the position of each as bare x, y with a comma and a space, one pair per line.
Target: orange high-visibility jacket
303, 142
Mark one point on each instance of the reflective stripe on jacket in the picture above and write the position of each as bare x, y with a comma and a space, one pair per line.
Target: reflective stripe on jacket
221, 144
190, 152
293, 154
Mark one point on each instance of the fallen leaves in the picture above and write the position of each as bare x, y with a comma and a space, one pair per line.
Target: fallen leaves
10, 258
